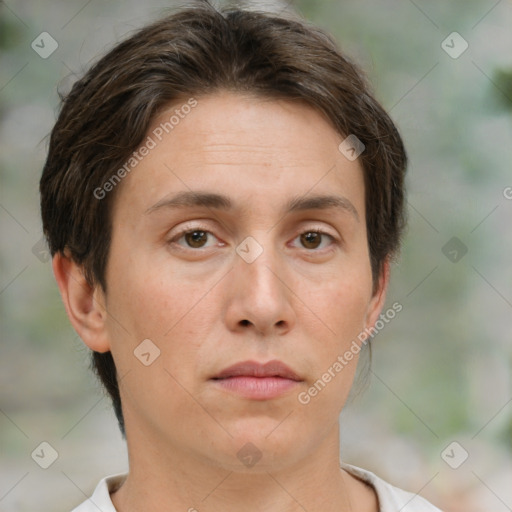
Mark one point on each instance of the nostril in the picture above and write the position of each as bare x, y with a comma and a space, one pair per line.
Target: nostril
245, 322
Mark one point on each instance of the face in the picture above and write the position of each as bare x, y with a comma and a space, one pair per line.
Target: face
239, 238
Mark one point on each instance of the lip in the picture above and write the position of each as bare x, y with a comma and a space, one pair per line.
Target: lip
257, 381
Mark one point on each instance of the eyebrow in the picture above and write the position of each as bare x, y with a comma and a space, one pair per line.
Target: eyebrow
189, 199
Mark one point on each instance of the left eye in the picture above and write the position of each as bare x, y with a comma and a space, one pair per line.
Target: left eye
313, 239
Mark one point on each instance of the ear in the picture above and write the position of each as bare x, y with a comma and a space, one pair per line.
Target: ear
377, 301
85, 305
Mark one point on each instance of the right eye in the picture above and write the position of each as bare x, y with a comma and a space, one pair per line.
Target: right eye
194, 238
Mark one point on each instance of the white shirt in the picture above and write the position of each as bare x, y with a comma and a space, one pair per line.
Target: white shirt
391, 499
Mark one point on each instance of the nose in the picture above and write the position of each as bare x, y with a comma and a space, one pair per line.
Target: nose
260, 294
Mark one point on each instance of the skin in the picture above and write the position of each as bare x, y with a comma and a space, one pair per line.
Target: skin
300, 301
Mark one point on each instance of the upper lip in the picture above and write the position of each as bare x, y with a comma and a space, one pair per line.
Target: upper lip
272, 368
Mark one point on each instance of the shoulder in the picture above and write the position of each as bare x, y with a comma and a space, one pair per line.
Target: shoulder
391, 498
100, 499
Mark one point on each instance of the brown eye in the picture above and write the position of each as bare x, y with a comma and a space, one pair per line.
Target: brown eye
311, 239
316, 240
196, 239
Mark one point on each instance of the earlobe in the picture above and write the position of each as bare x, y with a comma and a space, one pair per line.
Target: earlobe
85, 305
379, 297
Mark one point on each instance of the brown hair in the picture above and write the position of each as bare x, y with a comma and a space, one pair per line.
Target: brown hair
196, 51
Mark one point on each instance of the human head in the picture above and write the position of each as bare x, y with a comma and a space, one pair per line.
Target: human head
196, 52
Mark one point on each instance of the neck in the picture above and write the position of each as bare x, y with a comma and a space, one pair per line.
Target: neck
175, 480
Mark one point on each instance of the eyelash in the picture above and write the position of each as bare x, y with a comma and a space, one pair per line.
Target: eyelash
188, 230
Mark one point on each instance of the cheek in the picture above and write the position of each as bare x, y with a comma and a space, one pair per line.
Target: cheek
159, 305
152, 305
340, 308
339, 304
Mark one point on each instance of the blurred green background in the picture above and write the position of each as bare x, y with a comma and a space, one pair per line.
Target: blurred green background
440, 370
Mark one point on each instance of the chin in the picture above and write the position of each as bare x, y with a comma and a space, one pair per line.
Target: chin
258, 446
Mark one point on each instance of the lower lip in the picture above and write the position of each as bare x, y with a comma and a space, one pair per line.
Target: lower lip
257, 388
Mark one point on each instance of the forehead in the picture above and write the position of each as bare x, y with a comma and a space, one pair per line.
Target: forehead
253, 147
